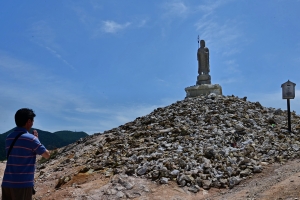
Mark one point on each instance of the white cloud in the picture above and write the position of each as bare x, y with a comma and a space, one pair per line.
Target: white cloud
57, 104
8, 63
296, 60
59, 57
96, 26
210, 7
101, 119
96, 5
232, 67
176, 8
44, 36
113, 27
227, 81
82, 15
231, 73
222, 37
161, 81
55, 97
89, 110
41, 32
231, 51
142, 23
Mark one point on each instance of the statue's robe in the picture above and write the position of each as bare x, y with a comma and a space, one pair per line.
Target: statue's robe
203, 60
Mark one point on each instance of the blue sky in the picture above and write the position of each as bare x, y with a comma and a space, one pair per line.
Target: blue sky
94, 65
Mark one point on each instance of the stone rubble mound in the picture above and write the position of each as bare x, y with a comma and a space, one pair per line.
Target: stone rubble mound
202, 142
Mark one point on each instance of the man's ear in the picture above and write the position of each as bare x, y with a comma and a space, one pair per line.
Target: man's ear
28, 124
28, 121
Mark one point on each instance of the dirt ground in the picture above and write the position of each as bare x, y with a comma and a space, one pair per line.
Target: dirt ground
277, 181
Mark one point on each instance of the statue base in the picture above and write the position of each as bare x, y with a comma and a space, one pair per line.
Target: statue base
205, 89
203, 79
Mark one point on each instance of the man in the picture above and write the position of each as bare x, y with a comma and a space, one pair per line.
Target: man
18, 179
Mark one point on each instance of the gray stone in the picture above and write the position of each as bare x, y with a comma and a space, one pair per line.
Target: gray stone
278, 112
206, 184
212, 96
175, 172
142, 170
295, 147
184, 177
120, 188
245, 172
67, 179
194, 188
111, 192
164, 180
132, 194
199, 181
120, 194
204, 89
223, 182
155, 174
206, 141
206, 162
257, 169
126, 184
239, 127
165, 130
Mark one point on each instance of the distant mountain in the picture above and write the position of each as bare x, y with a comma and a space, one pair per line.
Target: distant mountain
49, 140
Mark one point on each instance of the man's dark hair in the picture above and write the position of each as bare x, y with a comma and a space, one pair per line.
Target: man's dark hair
22, 116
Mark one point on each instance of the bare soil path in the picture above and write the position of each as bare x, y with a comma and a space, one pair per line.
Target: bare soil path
277, 181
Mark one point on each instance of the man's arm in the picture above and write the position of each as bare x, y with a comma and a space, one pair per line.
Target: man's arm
46, 154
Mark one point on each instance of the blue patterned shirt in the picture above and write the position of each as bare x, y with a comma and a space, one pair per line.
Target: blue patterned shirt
20, 166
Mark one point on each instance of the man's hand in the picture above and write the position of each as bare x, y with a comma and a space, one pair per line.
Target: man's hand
46, 154
35, 133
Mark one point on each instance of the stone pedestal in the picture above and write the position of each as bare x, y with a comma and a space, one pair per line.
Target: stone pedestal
204, 89
203, 79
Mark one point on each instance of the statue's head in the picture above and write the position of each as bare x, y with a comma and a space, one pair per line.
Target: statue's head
202, 43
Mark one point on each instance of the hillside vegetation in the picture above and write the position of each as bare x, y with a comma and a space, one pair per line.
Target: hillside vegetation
49, 140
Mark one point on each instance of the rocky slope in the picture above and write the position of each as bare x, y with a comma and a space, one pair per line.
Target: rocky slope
198, 143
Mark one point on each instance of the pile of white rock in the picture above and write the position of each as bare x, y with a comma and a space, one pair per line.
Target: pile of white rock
208, 141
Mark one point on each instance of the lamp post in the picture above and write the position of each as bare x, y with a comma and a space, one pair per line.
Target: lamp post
288, 92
